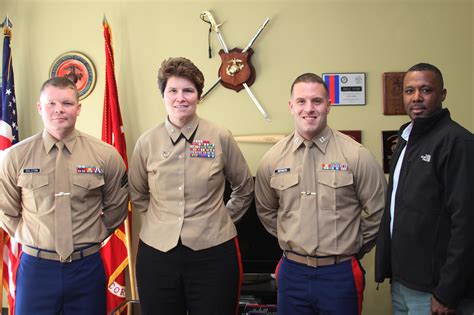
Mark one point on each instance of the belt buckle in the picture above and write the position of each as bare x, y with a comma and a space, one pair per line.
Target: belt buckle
310, 263
65, 260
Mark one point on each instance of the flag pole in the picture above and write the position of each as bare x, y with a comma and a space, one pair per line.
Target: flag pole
6, 22
131, 262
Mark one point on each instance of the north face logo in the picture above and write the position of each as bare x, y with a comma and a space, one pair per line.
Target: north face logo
426, 157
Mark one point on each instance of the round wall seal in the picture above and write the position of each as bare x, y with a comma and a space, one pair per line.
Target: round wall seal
76, 67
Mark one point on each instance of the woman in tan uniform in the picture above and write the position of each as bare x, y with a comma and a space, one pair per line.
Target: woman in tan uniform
188, 257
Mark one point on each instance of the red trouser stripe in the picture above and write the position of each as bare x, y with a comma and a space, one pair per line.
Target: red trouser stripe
241, 275
277, 268
359, 282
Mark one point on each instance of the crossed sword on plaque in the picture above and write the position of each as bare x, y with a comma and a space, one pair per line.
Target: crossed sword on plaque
236, 72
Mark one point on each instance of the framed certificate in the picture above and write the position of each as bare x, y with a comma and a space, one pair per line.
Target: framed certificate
346, 88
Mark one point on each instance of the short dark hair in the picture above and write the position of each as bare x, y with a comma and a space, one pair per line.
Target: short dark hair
62, 83
180, 67
423, 66
309, 78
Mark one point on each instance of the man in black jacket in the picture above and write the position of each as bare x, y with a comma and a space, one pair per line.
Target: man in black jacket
425, 243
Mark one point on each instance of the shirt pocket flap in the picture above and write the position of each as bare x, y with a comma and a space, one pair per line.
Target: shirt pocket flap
283, 181
88, 181
32, 181
335, 179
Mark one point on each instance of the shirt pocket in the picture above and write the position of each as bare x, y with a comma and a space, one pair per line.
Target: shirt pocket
286, 187
335, 189
34, 187
152, 180
207, 175
87, 190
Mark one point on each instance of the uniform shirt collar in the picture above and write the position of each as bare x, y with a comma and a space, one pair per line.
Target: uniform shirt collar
69, 142
321, 140
187, 131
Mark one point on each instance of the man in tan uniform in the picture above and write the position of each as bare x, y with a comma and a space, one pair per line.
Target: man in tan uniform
322, 194
62, 193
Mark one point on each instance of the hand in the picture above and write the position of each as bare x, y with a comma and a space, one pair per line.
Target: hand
439, 309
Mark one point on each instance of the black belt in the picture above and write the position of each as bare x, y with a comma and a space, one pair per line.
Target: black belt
50, 255
316, 261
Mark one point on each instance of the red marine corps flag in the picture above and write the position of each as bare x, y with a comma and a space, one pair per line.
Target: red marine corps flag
8, 137
114, 249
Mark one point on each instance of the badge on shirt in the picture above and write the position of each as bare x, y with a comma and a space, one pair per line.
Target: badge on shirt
202, 149
282, 170
335, 166
31, 170
89, 169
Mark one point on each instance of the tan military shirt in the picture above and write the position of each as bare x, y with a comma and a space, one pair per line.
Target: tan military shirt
348, 201
179, 187
98, 184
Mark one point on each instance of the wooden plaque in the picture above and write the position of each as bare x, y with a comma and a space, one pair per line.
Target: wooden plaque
78, 68
354, 134
393, 93
389, 143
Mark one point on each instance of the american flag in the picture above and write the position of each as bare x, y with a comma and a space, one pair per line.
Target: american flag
8, 118
8, 136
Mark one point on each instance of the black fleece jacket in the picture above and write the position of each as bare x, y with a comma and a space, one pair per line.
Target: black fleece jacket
432, 245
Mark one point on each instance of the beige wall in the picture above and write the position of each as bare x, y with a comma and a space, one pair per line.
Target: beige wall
371, 36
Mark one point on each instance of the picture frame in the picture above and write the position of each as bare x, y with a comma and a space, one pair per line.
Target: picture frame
78, 68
